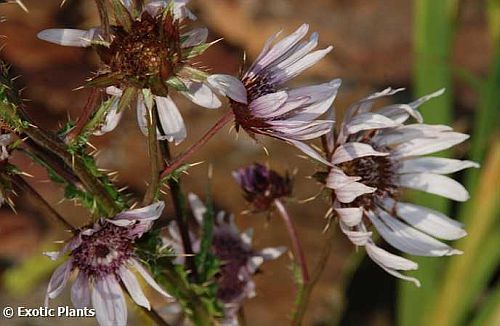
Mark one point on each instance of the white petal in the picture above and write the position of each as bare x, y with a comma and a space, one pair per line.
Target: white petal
348, 193
150, 212
351, 151
229, 86
436, 165
301, 65
108, 302
111, 120
415, 104
58, 280
406, 133
133, 288
357, 237
423, 146
68, 37
267, 105
195, 37
246, 237
365, 104
369, 120
407, 239
142, 115
114, 91
197, 207
279, 49
171, 120
272, 253
401, 112
319, 99
5, 139
254, 263
427, 220
434, 184
351, 216
308, 150
391, 263
148, 278
337, 178
202, 95
80, 291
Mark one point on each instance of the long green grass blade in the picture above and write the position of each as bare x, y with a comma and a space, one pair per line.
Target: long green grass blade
467, 275
487, 113
434, 29
490, 313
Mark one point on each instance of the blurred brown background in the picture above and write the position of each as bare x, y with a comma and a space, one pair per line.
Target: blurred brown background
372, 41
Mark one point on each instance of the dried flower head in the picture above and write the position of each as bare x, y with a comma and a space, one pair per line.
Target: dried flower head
375, 157
234, 249
103, 257
262, 105
146, 57
262, 186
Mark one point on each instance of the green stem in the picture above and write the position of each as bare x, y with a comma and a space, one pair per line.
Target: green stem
154, 165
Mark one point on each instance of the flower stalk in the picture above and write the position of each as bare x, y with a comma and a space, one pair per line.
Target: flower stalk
297, 247
182, 158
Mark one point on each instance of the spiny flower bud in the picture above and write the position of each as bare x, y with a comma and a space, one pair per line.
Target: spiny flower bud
261, 186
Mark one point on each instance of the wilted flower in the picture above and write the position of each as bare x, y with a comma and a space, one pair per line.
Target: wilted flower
262, 186
103, 256
239, 261
262, 105
375, 156
146, 58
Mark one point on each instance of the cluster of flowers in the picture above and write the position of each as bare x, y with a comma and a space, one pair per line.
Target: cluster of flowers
369, 159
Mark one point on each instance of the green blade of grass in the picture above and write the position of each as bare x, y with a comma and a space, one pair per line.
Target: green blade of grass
490, 313
467, 275
434, 29
489, 100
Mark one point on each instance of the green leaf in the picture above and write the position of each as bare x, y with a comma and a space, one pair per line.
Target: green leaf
176, 84
122, 15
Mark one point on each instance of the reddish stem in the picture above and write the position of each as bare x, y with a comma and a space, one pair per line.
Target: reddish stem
87, 111
179, 160
292, 231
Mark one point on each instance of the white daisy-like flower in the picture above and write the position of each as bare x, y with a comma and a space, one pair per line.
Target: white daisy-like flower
102, 256
147, 57
375, 156
234, 250
262, 105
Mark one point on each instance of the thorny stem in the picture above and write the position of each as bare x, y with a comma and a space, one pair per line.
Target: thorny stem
27, 188
87, 111
91, 183
154, 183
292, 232
179, 160
305, 292
180, 214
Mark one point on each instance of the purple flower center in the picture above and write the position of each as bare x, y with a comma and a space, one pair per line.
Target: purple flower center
103, 252
234, 256
375, 171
